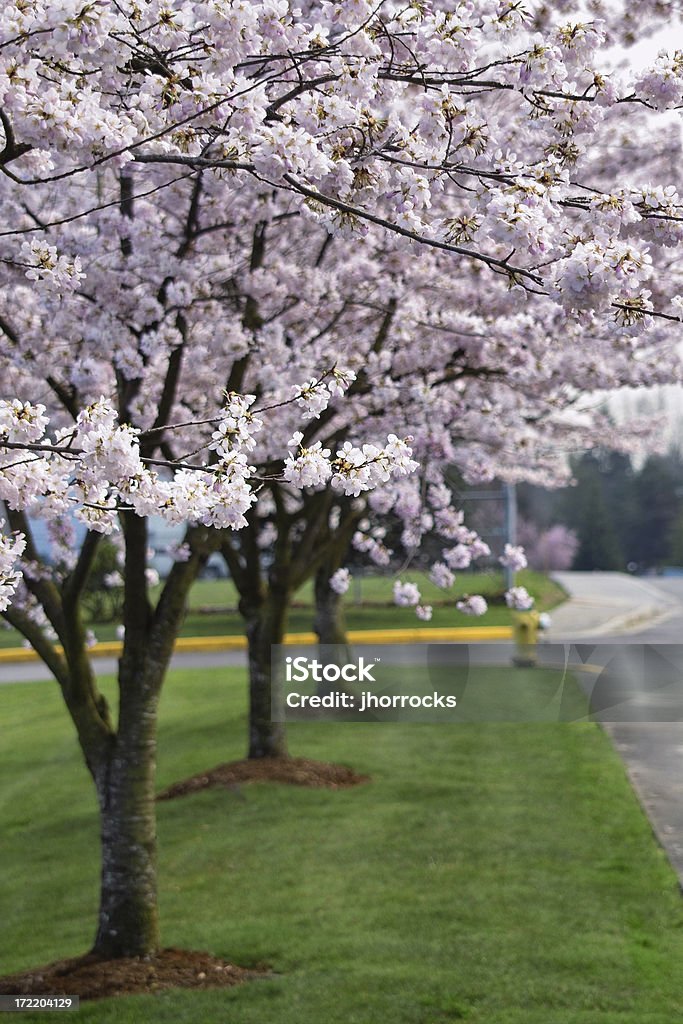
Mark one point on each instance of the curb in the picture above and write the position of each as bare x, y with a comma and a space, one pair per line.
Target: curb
205, 644
620, 623
647, 607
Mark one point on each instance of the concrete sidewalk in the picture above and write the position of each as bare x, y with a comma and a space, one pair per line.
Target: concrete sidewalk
624, 609
652, 753
602, 603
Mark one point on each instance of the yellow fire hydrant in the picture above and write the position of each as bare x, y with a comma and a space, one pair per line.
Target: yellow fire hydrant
525, 629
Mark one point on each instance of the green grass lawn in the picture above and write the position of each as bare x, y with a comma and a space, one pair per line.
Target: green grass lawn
378, 589
493, 874
216, 596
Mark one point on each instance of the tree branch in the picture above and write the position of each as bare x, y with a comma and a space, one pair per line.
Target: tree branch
73, 585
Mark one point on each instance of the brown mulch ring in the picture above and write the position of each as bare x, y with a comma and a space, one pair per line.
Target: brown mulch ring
296, 771
91, 977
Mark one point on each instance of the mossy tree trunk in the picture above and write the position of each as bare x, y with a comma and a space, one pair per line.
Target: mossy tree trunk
128, 916
265, 598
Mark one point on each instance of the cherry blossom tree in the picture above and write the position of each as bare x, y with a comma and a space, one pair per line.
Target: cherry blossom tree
248, 251
430, 356
554, 548
88, 460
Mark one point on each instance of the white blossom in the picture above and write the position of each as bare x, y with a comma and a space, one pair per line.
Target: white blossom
513, 558
519, 599
340, 581
406, 594
472, 605
441, 575
310, 467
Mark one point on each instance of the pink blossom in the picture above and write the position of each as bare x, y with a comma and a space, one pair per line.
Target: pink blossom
473, 605
340, 581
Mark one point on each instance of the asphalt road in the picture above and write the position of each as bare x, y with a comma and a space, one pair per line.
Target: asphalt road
608, 602
670, 629
35, 671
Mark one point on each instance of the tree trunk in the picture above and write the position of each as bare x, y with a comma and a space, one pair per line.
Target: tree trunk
265, 626
124, 773
128, 918
330, 626
330, 621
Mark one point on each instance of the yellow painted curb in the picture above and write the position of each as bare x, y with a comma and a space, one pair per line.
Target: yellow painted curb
467, 634
462, 634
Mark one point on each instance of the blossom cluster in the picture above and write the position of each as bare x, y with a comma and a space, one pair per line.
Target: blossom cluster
315, 396
442, 576
519, 599
472, 605
595, 274
373, 546
355, 468
236, 426
44, 263
96, 469
406, 595
340, 581
513, 558
116, 85
11, 550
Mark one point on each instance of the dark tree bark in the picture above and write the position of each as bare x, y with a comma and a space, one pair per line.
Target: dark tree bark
330, 620
265, 627
128, 917
264, 606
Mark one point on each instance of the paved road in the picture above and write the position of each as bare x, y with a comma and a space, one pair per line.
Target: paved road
642, 645
610, 604
669, 628
652, 751
35, 671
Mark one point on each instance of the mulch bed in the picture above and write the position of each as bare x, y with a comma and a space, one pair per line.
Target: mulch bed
91, 977
295, 771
